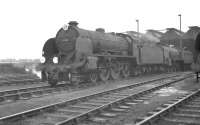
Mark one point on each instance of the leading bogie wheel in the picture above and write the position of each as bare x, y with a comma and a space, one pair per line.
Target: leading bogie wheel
44, 76
52, 81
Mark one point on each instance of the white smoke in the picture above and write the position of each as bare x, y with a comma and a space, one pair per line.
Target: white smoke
33, 70
38, 73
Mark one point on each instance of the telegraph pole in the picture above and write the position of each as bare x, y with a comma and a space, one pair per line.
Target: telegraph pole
181, 44
137, 29
139, 47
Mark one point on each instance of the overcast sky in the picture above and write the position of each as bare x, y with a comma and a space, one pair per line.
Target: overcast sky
26, 24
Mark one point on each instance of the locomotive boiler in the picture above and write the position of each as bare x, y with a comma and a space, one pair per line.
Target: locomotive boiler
77, 55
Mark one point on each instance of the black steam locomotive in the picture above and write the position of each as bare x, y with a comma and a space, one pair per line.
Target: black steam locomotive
78, 55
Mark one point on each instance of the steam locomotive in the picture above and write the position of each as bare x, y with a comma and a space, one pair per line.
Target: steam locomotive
77, 54
196, 64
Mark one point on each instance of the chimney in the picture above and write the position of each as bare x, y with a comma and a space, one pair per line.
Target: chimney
101, 30
73, 23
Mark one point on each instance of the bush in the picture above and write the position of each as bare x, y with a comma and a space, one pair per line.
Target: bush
8, 68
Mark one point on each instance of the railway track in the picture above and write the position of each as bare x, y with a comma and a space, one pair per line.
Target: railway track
13, 95
28, 93
16, 76
73, 111
19, 81
184, 110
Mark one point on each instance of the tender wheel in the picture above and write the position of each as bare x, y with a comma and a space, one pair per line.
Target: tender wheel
161, 69
150, 69
168, 69
146, 69
104, 72
174, 69
93, 77
125, 71
156, 69
135, 72
143, 69
115, 71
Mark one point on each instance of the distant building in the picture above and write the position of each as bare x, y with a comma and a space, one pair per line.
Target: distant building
172, 37
190, 36
191, 33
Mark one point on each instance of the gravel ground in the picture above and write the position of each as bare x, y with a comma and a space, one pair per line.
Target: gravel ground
24, 105
158, 98
4, 76
12, 86
19, 86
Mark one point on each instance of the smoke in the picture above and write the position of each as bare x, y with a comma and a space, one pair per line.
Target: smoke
150, 38
37, 73
33, 70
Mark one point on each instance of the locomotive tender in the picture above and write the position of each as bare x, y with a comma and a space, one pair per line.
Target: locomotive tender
77, 55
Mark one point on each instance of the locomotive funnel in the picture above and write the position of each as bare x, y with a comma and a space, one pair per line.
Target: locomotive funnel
73, 23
